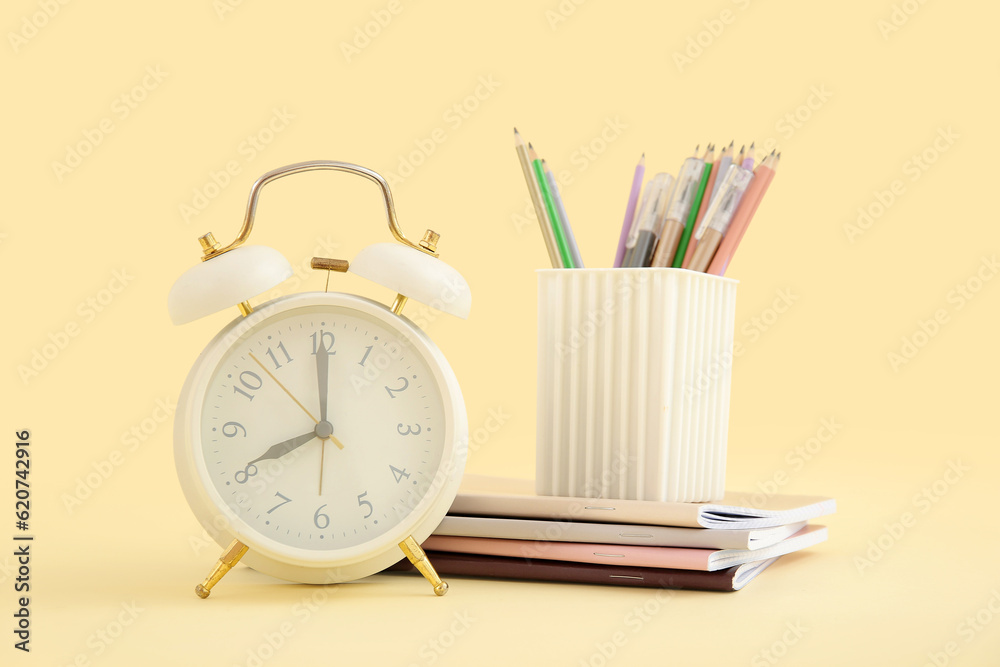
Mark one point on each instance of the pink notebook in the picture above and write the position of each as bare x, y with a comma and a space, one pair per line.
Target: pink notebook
706, 560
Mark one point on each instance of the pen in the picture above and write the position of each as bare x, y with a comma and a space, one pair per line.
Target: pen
719, 216
685, 190
642, 238
755, 192
713, 181
692, 217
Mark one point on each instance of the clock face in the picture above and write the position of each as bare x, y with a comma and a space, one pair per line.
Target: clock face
322, 427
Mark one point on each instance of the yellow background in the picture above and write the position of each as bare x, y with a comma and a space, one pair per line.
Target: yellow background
880, 94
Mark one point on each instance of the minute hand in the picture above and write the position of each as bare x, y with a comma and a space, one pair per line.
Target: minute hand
323, 373
282, 448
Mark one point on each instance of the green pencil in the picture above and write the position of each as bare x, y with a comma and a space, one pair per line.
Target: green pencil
550, 206
692, 216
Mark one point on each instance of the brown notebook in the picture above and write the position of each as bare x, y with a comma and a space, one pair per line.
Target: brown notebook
499, 567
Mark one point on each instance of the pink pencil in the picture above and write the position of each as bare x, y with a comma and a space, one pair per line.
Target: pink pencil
640, 171
762, 178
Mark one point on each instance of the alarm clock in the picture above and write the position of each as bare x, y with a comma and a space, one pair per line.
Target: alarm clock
322, 435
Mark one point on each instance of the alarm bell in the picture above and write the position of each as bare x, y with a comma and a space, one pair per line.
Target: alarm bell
229, 279
231, 275
416, 275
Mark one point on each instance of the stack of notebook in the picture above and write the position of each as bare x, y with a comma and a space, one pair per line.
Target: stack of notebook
499, 528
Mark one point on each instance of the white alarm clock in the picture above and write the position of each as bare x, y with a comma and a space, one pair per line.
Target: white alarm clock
321, 435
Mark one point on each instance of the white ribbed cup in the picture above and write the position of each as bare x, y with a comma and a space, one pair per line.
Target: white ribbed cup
634, 374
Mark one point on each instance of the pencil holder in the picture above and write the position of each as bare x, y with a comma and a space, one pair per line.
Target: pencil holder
634, 375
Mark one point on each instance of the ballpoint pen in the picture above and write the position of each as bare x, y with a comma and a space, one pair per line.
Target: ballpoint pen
755, 192
719, 215
719, 167
692, 216
685, 190
642, 238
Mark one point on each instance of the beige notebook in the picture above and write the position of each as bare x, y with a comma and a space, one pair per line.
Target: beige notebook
614, 533
707, 560
506, 497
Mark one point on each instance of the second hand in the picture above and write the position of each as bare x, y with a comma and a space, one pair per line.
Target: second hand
322, 455
283, 388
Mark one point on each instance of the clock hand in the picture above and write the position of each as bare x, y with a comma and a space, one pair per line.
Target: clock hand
285, 389
323, 377
323, 373
322, 456
282, 448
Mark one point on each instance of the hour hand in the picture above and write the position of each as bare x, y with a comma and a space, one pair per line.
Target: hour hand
282, 448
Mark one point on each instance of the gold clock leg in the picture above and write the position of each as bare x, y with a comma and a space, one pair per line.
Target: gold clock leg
245, 308
420, 561
230, 557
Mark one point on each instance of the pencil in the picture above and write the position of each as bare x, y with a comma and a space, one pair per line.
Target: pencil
699, 197
574, 249
725, 159
536, 200
633, 199
550, 208
748, 161
755, 192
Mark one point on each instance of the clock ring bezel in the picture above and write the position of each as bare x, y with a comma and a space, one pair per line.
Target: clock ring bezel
267, 554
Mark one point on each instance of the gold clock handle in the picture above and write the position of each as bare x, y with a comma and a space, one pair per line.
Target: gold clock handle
211, 248
419, 559
230, 557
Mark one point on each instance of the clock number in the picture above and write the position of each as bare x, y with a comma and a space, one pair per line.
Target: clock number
245, 380
321, 521
237, 427
368, 350
286, 500
321, 338
270, 353
362, 503
409, 429
393, 392
246, 472
399, 474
